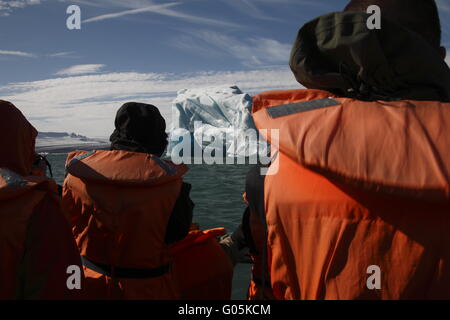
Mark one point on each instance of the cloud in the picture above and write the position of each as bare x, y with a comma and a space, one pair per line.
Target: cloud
80, 69
130, 4
61, 54
13, 53
448, 58
263, 9
154, 8
7, 6
87, 104
137, 7
249, 8
17, 53
197, 19
250, 51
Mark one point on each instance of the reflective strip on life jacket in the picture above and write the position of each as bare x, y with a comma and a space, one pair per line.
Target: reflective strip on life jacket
11, 179
78, 157
290, 109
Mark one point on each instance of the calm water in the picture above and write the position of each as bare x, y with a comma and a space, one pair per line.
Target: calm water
217, 193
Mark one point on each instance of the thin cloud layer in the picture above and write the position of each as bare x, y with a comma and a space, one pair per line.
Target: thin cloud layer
7, 6
138, 7
17, 53
80, 70
249, 52
87, 104
154, 9
61, 54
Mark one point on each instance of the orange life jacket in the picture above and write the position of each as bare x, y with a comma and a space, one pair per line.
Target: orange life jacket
119, 204
36, 245
202, 269
20, 199
358, 184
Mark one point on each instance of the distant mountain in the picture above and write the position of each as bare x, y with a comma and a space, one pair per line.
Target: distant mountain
59, 142
47, 135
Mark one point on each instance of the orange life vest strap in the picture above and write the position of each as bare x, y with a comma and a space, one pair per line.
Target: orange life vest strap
125, 273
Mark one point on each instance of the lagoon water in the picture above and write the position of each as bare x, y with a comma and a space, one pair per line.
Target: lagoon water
217, 193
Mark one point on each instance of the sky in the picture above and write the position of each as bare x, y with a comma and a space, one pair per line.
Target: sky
145, 51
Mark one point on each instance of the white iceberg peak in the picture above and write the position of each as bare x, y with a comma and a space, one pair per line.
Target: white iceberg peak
208, 113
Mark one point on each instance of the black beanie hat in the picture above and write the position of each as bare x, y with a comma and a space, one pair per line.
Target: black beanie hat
139, 128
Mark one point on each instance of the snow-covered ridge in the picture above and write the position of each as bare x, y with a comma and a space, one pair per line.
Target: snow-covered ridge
58, 142
51, 135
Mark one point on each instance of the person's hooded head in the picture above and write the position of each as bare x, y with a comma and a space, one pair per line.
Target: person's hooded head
139, 128
17, 140
340, 53
419, 16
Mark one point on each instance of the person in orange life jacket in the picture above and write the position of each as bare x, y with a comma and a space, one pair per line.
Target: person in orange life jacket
141, 128
126, 207
132, 218
36, 244
359, 206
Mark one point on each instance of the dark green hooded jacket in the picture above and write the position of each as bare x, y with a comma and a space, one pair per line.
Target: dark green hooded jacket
338, 53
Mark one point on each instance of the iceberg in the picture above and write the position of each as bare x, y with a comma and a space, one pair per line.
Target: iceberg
212, 112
